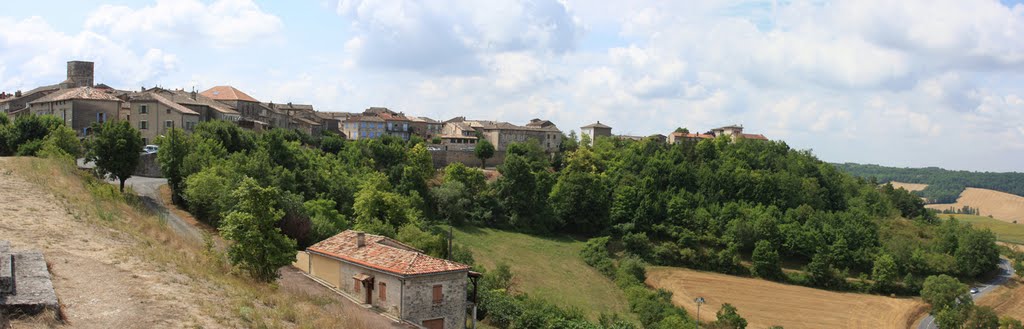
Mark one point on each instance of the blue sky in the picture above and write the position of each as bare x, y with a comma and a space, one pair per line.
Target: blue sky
902, 83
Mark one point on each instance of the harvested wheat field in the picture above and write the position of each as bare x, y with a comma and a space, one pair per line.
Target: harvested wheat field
1007, 300
909, 186
1002, 206
765, 303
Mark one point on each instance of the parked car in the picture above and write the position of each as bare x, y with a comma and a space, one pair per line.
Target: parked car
974, 291
150, 149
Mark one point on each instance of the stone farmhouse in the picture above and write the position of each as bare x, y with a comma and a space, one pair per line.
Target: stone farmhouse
79, 107
595, 130
394, 278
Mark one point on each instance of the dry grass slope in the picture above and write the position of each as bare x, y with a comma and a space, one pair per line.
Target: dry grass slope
1002, 206
765, 303
909, 186
116, 265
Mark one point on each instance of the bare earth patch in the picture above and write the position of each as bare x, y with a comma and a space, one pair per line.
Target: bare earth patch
765, 303
1002, 206
96, 275
1007, 300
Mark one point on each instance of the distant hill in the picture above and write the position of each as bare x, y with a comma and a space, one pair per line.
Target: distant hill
1000, 205
944, 186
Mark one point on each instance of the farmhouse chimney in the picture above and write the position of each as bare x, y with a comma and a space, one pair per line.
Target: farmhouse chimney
360, 239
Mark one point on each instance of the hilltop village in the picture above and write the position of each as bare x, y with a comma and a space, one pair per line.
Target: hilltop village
81, 102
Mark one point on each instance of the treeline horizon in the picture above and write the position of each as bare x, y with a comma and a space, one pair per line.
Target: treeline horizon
944, 186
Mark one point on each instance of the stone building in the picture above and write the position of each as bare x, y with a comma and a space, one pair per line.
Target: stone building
595, 130
207, 108
78, 107
154, 116
253, 114
424, 127
79, 74
501, 134
363, 127
392, 277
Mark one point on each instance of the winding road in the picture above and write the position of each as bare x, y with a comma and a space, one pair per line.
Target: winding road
148, 190
1005, 273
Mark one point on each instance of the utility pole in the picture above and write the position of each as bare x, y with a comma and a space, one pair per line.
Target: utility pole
699, 301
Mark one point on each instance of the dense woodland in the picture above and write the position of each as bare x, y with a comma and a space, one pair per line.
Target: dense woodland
743, 207
944, 186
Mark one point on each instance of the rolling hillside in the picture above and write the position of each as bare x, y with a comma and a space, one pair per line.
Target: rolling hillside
1002, 206
1005, 231
909, 186
944, 186
548, 268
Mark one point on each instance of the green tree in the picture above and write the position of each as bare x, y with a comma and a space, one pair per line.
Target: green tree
884, 272
982, 317
976, 252
61, 142
208, 194
325, 218
174, 146
766, 261
380, 210
258, 246
115, 150
945, 292
484, 150
580, 200
729, 318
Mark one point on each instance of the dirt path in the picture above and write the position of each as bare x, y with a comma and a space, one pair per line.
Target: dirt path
96, 275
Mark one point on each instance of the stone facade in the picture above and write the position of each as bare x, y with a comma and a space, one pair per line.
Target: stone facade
420, 306
154, 118
148, 166
79, 114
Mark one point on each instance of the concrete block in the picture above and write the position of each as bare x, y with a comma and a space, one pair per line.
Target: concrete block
33, 288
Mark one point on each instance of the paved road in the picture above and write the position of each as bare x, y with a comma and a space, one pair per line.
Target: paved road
148, 190
1005, 273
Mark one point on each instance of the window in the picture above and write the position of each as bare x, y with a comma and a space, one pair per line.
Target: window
143, 125
169, 124
438, 294
168, 110
383, 292
355, 285
143, 109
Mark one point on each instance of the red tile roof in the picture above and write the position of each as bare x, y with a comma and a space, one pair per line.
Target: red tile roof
385, 254
755, 136
228, 93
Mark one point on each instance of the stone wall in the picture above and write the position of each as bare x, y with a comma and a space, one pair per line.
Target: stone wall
148, 166
419, 299
443, 158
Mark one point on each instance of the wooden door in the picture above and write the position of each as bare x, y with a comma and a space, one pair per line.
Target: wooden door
434, 324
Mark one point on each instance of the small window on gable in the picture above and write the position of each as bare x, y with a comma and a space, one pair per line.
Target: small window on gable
438, 294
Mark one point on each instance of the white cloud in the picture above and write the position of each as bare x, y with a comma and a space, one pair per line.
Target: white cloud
35, 54
220, 24
452, 37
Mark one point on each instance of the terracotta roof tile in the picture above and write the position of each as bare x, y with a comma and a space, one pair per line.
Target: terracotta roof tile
228, 93
385, 254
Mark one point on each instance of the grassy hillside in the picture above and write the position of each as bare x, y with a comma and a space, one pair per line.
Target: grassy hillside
132, 254
548, 268
1006, 232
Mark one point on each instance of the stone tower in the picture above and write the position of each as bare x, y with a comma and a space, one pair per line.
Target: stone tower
80, 74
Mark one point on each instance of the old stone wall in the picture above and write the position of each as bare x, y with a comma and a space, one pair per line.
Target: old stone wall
419, 299
84, 112
443, 158
148, 166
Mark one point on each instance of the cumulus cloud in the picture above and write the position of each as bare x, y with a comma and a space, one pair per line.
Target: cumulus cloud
35, 53
222, 23
454, 36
